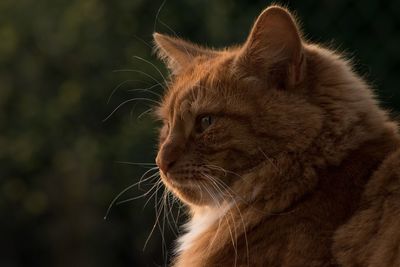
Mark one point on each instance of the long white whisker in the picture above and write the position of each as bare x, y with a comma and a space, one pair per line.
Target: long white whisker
226, 187
127, 189
130, 100
162, 230
158, 213
168, 212
175, 221
157, 14
119, 86
141, 196
143, 41
147, 90
144, 113
136, 163
145, 60
241, 218
140, 72
169, 28
234, 244
158, 186
151, 169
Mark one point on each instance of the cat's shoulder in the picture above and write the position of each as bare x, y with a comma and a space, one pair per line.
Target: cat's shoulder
372, 236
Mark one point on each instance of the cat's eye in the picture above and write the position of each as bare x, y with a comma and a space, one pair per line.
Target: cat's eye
204, 122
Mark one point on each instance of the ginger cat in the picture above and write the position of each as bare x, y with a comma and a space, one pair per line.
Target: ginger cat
280, 152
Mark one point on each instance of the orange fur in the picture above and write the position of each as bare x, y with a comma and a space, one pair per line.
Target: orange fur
281, 153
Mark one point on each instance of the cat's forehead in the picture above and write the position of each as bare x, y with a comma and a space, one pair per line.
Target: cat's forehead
198, 86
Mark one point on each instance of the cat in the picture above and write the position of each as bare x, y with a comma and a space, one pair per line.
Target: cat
280, 152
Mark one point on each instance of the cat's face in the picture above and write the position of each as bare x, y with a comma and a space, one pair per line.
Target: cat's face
228, 113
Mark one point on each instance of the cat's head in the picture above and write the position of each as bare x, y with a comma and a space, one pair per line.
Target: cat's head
228, 113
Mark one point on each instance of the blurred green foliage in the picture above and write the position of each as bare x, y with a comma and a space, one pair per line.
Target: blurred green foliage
60, 62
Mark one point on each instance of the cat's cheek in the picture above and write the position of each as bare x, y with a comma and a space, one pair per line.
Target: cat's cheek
205, 139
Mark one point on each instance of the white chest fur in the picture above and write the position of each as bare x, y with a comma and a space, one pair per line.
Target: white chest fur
202, 219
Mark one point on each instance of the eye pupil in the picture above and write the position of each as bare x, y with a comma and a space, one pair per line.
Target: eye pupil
205, 122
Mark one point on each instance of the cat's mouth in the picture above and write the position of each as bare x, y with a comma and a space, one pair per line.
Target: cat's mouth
186, 181
193, 189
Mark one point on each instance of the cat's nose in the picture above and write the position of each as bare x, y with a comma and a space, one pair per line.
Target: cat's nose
164, 163
167, 156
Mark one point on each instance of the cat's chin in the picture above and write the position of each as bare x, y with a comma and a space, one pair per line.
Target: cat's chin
193, 197
190, 190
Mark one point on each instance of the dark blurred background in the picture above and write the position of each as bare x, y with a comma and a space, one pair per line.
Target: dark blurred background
65, 65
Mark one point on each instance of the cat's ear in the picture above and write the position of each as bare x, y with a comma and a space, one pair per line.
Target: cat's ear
274, 49
177, 53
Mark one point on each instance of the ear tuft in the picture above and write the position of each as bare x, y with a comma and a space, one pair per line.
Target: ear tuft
163, 44
177, 53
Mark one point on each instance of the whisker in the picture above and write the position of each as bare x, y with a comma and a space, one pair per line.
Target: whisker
144, 113
154, 66
127, 189
213, 179
143, 41
168, 213
158, 213
147, 90
219, 225
171, 211
140, 72
170, 29
243, 225
155, 185
226, 187
145, 166
130, 100
178, 213
269, 159
162, 229
136, 163
120, 85
225, 171
227, 220
151, 169
158, 186
157, 14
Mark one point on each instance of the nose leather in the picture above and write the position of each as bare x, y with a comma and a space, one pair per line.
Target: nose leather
168, 155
